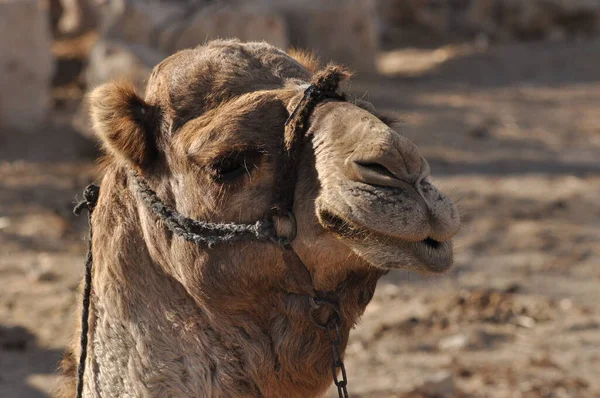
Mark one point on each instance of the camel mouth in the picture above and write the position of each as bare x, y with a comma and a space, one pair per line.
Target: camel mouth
428, 255
436, 256
340, 227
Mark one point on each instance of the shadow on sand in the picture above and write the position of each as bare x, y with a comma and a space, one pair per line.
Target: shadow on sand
20, 358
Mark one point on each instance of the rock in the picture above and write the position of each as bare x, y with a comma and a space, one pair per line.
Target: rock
526, 20
42, 225
41, 275
26, 64
111, 59
42, 269
552, 19
525, 321
549, 18
481, 17
171, 26
572, 6
116, 59
497, 19
473, 340
482, 126
4, 222
455, 342
513, 288
15, 338
77, 16
584, 326
137, 22
565, 304
219, 21
392, 16
440, 385
414, 22
344, 31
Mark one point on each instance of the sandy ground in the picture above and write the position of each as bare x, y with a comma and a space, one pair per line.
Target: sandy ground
513, 132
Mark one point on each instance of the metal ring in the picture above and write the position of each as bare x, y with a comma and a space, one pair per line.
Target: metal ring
318, 303
285, 241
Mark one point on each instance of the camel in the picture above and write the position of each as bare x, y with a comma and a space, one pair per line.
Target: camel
173, 319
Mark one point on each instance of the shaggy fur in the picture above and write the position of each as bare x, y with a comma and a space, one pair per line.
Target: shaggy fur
124, 123
309, 60
170, 318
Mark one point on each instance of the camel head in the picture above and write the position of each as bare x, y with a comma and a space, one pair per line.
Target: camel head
208, 136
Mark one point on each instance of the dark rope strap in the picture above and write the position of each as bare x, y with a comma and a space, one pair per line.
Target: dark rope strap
323, 85
201, 232
89, 202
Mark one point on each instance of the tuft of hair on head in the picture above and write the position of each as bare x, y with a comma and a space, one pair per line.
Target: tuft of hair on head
390, 119
306, 58
123, 122
331, 76
343, 71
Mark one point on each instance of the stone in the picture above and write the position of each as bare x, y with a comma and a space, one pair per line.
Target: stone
4, 222
572, 6
481, 18
524, 321
409, 19
497, 19
15, 338
39, 274
138, 22
473, 340
244, 23
77, 16
112, 59
115, 59
344, 31
395, 13
170, 26
26, 64
455, 342
439, 385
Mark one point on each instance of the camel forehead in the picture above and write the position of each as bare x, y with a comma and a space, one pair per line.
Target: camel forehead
191, 82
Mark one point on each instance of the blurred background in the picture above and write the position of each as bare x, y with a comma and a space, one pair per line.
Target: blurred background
501, 96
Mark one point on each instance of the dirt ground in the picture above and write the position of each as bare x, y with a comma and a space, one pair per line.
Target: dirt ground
512, 132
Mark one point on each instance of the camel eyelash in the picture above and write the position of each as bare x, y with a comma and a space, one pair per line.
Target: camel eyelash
234, 165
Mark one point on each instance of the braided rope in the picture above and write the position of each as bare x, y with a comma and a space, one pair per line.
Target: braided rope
201, 232
323, 85
89, 202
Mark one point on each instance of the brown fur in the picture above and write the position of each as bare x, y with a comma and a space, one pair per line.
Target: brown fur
306, 58
68, 368
122, 120
170, 318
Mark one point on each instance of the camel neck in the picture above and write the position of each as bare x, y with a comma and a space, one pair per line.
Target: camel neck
196, 327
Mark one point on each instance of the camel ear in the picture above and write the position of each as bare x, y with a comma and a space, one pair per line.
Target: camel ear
122, 120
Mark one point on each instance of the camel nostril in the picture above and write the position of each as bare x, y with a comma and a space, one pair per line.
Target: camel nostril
434, 244
377, 169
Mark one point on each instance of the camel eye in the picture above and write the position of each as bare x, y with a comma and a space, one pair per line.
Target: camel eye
235, 165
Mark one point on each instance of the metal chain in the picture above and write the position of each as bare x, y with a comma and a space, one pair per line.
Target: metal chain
332, 328
337, 363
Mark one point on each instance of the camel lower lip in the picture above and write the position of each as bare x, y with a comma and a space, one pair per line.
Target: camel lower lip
436, 256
